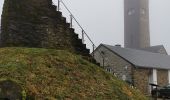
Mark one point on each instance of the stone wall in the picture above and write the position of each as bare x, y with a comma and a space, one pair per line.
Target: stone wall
36, 23
10, 90
141, 78
119, 66
162, 77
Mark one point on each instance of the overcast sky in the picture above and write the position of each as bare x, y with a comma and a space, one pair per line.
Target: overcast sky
103, 20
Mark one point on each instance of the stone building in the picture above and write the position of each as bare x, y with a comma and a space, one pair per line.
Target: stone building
37, 23
137, 67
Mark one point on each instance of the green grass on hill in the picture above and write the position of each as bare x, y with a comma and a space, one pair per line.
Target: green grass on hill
54, 74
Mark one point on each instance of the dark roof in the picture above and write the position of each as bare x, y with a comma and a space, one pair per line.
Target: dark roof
141, 58
156, 49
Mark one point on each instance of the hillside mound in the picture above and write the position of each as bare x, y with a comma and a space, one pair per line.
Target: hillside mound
47, 74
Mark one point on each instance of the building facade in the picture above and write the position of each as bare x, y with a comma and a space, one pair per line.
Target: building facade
129, 65
136, 24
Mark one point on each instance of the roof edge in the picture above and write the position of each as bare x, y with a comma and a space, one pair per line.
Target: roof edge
118, 54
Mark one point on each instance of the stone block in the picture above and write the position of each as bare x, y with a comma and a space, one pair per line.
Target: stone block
10, 90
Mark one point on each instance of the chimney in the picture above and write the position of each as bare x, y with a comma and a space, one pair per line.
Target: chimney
118, 45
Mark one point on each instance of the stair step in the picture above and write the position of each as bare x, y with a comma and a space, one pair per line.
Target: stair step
63, 19
71, 30
75, 36
80, 48
53, 7
79, 41
80, 45
92, 60
87, 55
68, 25
84, 45
88, 51
59, 14
83, 50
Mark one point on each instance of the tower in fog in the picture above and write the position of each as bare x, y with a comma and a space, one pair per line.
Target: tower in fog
136, 17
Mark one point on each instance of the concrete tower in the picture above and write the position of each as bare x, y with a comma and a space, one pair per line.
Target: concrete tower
136, 16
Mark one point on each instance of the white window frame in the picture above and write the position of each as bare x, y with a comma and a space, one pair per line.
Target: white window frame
155, 76
169, 76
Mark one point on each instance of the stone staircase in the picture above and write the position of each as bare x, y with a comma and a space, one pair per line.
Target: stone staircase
39, 24
80, 48
77, 42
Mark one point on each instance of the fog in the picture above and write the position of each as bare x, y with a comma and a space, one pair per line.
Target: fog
103, 20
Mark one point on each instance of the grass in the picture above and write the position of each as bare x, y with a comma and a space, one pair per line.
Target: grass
56, 74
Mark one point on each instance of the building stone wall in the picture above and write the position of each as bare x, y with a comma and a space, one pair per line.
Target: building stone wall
162, 77
137, 75
36, 23
119, 66
141, 78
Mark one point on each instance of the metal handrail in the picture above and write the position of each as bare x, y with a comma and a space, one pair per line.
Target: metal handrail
76, 21
83, 31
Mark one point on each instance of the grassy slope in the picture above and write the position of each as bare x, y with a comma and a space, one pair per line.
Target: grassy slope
57, 74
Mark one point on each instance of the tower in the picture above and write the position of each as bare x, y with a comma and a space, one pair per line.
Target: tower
136, 17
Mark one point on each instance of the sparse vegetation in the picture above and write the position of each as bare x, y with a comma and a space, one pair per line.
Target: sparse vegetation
55, 74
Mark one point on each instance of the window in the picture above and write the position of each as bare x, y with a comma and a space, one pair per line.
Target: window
143, 11
102, 52
126, 67
124, 77
109, 70
131, 11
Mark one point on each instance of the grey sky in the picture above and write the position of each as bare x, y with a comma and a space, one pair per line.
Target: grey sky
103, 20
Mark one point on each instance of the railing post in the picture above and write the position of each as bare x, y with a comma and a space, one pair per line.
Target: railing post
83, 37
93, 50
58, 9
72, 18
71, 21
103, 62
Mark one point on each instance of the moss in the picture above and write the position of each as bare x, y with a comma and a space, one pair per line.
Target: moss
49, 73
